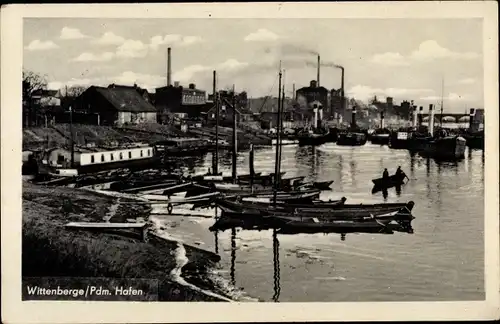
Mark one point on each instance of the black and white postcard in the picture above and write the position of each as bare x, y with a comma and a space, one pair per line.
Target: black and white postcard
250, 162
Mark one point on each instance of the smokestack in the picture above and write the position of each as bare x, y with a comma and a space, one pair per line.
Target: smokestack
353, 119
382, 120
415, 116
315, 121
317, 78
169, 66
320, 116
342, 98
420, 112
431, 119
294, 96
472, 113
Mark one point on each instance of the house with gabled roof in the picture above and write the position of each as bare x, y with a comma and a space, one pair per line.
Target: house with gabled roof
114, 105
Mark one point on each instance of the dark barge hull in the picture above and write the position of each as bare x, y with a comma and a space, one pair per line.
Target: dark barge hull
305, 140
446, 149
345, 140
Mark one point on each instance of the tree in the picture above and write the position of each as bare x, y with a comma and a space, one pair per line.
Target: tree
73, 91
32, 83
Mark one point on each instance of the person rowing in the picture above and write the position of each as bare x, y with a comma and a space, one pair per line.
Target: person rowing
401, 174
385, 174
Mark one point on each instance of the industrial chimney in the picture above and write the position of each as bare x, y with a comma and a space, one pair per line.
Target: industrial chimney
317, 78
472, 113
169, 66
431, 119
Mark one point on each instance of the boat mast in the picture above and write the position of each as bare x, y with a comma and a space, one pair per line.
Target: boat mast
278, 140
72, 142
216, 103
442, 100
234, 136
280, 144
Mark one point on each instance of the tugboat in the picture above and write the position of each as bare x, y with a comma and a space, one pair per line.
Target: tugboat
353, 136
441, 145
317, 135
381, 135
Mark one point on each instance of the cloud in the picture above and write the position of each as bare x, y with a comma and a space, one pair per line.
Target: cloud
173, 40
231, 65
90, 57
451, 96
71, 33
390, 59
131, 49
56, 85
110, 38
430, 49
363, 92
38, 45
261, 35
426, 51
467, 81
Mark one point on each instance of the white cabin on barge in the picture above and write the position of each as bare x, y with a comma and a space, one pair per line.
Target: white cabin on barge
58, 160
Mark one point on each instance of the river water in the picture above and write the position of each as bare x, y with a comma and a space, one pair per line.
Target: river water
442, 260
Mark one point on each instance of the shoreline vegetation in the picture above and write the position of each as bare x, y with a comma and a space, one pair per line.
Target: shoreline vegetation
51, 250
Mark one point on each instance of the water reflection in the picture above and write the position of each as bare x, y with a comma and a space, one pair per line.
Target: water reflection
276, 266
233, 255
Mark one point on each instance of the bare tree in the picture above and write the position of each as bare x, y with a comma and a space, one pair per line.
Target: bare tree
32, 83
74, 91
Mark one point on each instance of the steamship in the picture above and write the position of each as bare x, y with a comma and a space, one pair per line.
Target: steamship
353, 136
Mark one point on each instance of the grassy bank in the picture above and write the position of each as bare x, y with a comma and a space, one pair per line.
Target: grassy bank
51, 250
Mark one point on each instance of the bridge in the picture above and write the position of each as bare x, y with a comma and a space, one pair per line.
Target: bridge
457, 118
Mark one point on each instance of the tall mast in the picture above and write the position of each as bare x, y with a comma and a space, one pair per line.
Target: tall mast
72, 141
442, 101
281, 122
278, 140
216, 103
234, 135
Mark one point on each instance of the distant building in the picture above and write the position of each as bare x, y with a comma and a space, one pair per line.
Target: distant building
143, 92
307, 95
336, 105
114, 105
177, 99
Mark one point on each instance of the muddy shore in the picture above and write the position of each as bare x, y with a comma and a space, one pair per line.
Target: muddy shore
51, 250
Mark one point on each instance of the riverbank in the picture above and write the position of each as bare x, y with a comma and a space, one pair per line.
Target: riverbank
51, 250
59, 135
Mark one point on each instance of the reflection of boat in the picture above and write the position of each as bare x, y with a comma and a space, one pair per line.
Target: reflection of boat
330, 220
445, 148
373, 226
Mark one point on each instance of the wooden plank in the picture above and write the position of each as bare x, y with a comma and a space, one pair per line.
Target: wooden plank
105, 225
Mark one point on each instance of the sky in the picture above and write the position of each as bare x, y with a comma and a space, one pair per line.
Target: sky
408, 59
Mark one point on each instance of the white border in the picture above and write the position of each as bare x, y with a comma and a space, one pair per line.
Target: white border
13, 310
